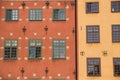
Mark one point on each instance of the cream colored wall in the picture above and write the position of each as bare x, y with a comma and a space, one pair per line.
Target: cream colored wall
105, 18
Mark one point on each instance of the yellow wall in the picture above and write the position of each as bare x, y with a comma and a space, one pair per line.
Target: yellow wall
105, 18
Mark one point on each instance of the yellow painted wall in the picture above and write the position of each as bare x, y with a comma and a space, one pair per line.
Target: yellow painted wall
105, 18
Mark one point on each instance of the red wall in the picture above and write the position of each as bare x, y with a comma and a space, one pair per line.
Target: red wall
64, 67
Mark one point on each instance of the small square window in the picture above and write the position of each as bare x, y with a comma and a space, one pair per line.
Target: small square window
115, 6
59, 14
92, 7
35, 14
35, 49
11, 15
93, 67
10, 50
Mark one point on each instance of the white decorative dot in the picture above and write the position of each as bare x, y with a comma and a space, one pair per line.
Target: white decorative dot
27, 7
26, 47
67, 19
59, 75
58, 4
43, 47
25, 77
18, 77
67, 7
67, 37
19, 47
1, 47
67, 47
3, 19
19, 58
1, 58
50, 37
0, 78
25, 58
34, 74
58, 34
50, 58
43, 58
3, 7
43, 19
50, 19
20, 19
43, 38
50, 47
43, 77
35, 34
20, 7
27, 19
68, 77
11, 4
9, 75
19, 38
44, 7
50, 7
50, 77
11, 34
67, 58
2, 37
26, 38
35, 4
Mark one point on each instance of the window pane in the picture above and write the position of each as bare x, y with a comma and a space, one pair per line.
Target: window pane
32, 52
11, 14
116, 62
115, 6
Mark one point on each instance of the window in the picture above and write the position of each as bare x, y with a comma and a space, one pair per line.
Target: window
35, 14
35, 47
10, 50
93, 67
11, 15
59, 14
116, 62
116, 33
59, 49
92, 34
92, 7
115, 6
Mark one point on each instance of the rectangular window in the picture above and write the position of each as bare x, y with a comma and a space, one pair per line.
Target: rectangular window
93, 67
59, 14
115, 6
93, 34
116, 33
35, 14
116, 62
92, 7
11, 15
10, 50
35, 47
59, 49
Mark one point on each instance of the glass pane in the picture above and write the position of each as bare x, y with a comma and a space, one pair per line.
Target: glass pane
32, 52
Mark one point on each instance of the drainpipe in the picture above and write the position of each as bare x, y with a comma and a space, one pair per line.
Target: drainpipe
76, 55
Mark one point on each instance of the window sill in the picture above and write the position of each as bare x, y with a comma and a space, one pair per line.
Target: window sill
115, 11
11, 20
58, 20
39, 58
58, 58
35, 20
92, 42
10, 58
94, 75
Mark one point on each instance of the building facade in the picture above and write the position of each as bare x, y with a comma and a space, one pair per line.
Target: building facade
37, 40
98, 39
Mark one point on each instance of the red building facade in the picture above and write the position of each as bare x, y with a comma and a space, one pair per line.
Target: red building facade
37, 40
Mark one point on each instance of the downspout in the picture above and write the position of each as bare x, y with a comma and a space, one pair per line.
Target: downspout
76, 56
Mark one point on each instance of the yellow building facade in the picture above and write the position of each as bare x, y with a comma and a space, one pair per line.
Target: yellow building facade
98, 31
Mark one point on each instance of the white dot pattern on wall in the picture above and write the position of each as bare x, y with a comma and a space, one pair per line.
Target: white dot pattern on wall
0, 78
50, 77
26, 7
34, 74
20, 7
11, 4
68, 77
3, 19
58, 34
59, 74
3, 7
58, 4
9, 75
67, 7
25, 77
18, 77
43, 77
2, 37
35, 4
44, 7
